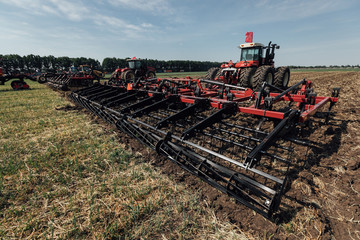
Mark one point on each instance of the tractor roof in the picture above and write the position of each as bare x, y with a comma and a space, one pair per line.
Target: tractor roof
250, 45
134, 59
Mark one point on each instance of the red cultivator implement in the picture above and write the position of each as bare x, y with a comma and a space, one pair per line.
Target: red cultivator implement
15, 84
239, 141
83, 76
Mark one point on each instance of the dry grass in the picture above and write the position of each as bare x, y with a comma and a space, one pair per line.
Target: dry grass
64, 176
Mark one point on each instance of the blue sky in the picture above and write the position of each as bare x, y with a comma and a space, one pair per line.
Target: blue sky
309, 32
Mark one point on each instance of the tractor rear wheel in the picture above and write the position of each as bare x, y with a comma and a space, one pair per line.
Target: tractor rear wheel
282, 77
212, 73
246, 77
128, 76
263, 74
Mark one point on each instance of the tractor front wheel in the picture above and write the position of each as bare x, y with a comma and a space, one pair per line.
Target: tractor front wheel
263, 74
246, 78
282, 77
212, 73
128, 76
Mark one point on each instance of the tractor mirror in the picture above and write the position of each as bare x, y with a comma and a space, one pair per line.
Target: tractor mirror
277, 47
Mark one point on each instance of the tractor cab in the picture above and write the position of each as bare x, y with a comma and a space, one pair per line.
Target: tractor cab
85, 69
138, 66
135, 64
256, 54
251, 55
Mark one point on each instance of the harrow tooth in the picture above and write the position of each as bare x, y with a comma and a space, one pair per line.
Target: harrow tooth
218, 139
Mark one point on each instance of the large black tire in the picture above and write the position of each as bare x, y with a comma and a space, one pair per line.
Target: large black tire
263, 74
128, 76
246, 77
218, 74
212, 73
282, 77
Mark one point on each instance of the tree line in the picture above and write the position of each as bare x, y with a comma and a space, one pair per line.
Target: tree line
109, 64
35, 63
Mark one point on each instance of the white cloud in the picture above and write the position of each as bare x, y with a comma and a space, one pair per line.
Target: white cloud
121, 28
72, 10
150, 6
295, 9
77, 11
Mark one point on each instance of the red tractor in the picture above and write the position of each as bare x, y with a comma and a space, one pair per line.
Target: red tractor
137, 68
256, 66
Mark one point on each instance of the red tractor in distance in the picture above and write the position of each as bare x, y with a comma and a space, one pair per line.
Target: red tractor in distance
137, 68
256, 66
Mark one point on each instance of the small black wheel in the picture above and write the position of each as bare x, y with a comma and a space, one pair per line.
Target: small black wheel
42, 79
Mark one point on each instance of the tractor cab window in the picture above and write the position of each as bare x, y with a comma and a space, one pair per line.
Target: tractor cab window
138, 64
131, 64
250, 54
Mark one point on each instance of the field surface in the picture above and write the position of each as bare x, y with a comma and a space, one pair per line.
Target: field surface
66, 174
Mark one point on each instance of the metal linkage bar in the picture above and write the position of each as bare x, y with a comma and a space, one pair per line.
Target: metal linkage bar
160, 104
207, 122
143, 103
190, 110
125, 97
92, 89
222, 84
254, 156
104, 94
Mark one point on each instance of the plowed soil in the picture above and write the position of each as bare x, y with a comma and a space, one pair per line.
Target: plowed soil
322, 200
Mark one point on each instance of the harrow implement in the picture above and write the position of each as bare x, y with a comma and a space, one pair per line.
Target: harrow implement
64, 81
238, 141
